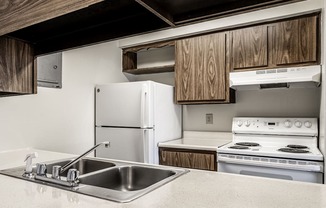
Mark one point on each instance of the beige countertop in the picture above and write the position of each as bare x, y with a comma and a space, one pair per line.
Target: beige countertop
198, 140
195, 189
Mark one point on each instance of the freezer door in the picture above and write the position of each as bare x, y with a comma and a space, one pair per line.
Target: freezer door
126, 144
127, 104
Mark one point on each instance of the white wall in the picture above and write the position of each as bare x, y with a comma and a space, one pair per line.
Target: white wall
61, 119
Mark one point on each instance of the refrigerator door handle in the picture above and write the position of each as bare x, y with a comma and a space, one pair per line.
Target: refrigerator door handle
145, 146
143, 106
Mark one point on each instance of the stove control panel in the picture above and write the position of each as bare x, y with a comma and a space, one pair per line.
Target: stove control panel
281, 126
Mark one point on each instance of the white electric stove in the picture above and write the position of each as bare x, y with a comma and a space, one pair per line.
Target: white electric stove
284, 148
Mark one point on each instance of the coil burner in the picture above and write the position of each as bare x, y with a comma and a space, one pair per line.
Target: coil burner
238, 147
297, 146
247, 144
292, 150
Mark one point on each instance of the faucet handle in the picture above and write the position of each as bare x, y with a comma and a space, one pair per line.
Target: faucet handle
41, 169
72, 175
56, 172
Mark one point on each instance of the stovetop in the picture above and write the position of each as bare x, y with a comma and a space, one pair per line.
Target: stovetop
270, 150
268, 136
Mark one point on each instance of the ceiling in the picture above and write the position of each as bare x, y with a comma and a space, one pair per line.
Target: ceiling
114, 19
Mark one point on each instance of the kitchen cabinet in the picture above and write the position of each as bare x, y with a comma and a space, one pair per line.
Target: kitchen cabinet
291, 42
187, 158
249, 47
295, 41
201, 72
17, 75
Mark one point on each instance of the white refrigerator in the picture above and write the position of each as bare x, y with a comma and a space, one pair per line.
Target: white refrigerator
134, 117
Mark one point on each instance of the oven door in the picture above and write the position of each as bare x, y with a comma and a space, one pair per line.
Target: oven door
230, 164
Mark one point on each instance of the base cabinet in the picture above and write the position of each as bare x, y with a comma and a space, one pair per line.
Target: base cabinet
196, 159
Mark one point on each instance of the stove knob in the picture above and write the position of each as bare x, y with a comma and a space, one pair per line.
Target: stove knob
239, 123
307, 124
247, 123
298, 124
287, 124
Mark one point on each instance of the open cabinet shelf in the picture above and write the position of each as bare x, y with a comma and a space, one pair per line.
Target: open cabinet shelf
149, 59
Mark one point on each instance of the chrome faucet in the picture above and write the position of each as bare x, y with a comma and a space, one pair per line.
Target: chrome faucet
68, 165
72, 176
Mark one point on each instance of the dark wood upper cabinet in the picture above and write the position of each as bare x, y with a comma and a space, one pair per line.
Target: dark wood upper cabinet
16, 67
249, 47
211, 52
185, 70
296, 41
201, 71
289, 42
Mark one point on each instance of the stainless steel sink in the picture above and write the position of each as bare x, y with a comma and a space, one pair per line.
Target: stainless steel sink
127, 178
112, 180
126, 182
84, 166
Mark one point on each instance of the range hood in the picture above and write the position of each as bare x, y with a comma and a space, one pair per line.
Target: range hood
294, 77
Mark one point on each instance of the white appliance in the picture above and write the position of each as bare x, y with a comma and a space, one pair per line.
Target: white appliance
283, 148
135, 117
295, 77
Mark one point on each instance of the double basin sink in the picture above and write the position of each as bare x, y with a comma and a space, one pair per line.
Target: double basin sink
111, 180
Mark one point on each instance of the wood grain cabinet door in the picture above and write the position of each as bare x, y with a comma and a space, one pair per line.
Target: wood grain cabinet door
16, 67
296, 41
200, 68
214, 66
196, 159
249, 48
185, 69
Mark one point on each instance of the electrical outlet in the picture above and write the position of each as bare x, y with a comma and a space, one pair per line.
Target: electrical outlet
209, 118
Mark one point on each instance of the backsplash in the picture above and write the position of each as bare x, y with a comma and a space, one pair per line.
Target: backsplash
263, 103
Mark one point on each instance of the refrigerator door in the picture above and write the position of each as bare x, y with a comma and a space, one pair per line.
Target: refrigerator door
127, 104
126, 144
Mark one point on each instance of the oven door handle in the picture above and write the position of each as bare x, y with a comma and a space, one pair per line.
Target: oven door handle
308, 168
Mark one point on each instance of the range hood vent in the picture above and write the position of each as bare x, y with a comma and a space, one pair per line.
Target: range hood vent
294, 77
